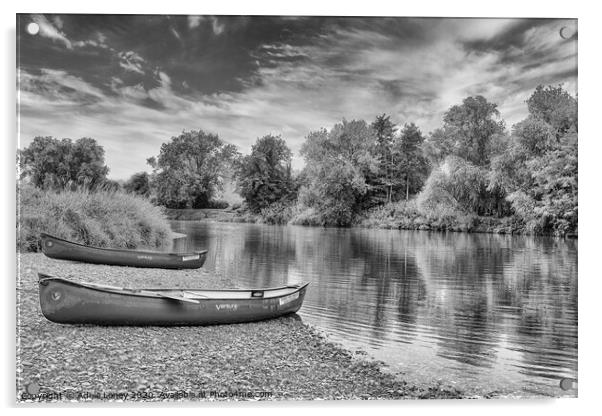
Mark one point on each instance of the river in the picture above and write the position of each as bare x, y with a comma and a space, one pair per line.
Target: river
484, 312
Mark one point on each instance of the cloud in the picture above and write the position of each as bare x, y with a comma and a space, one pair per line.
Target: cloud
481, 29
175, 33
131, 61
194, 21
58, 21
216, 26
57, 86
47, 30
98, 41
414, 70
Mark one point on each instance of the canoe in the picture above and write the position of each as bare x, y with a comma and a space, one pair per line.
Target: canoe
57, 248
67, 302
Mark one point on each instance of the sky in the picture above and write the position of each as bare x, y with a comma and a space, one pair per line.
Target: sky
134, 81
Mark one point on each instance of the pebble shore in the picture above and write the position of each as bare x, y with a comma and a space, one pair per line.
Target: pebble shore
279, 359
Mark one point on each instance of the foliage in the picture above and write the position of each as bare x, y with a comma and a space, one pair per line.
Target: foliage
469, 130
462, 186
280, 212
550, 205
190, 169
539, 172
337, 164
307, 216
437, 192
408, 215
50, 163
554, 106
110, 185
411, 164
218, 204
382, 181
534, 135
437, 146
463, 149
264, 177
99, 218
139, 183
466, 174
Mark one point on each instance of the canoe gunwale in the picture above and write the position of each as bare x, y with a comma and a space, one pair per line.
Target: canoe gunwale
121, 250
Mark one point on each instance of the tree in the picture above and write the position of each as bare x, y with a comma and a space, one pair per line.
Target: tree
384, 130
264, 177
337, 165
550, 203
555, 186
459, 185
190, 168
463, 148
535, 135
52, 163
554, 106
411, 164
139, 183
470, 129
538, 172
437, 146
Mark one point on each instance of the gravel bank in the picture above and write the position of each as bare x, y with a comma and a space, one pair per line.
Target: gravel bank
271, 360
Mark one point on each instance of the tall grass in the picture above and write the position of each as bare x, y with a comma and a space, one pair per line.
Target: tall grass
101, 218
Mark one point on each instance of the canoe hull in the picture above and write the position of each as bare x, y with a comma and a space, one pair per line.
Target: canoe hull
66, 302
57, 248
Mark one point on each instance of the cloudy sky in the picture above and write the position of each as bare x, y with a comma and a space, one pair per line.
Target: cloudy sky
133, 82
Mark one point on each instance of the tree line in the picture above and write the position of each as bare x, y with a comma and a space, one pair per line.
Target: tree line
471, 165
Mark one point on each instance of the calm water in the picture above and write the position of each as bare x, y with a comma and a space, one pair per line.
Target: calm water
485, 312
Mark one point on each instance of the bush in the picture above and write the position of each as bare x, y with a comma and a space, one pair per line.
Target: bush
307, 216
402, 214
278, 213
235, 206
411, 215
217, 204
101, 218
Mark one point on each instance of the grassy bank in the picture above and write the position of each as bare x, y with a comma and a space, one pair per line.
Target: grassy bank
408, 216
100, 218
208, 214
277, 359
399, 215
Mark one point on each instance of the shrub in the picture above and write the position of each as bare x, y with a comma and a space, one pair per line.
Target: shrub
217, 204
235, 206
100, 218
277, 213
307, 216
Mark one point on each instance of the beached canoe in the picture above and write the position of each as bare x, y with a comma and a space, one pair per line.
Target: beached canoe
57, 248
68, 302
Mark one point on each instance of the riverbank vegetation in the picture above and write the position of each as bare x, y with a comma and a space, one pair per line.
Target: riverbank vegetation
471, 174
103, 218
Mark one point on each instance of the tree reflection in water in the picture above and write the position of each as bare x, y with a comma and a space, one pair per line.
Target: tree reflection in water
490, 308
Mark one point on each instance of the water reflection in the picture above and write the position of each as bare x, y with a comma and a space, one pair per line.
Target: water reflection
490, 312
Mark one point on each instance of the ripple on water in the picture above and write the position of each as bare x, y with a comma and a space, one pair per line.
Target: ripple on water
485, 312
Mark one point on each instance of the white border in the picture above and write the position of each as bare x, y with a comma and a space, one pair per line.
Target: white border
590, 151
